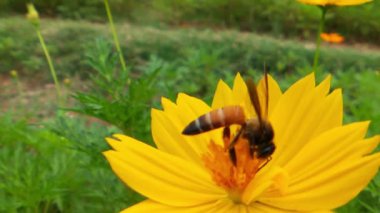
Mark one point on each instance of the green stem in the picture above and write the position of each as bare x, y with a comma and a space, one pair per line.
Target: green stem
318, 42
115, 38
51, 67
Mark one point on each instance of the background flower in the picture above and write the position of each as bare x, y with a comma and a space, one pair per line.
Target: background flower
332, 38
334, 2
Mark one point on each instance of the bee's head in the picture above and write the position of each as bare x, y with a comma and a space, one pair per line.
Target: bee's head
267, 133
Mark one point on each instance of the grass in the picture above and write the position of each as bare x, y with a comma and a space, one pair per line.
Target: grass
240, 51
50, 169
56, 156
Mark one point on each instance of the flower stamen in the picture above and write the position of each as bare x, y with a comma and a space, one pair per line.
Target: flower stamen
233, 178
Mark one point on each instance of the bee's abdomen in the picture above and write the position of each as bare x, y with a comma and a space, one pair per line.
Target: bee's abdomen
215, 119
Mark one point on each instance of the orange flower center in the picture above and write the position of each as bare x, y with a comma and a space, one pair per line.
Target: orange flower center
233, 179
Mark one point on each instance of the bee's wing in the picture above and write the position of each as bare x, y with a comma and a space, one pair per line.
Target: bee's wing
254, 97
253, 94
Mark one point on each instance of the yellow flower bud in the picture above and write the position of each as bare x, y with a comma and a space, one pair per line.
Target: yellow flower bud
32, 14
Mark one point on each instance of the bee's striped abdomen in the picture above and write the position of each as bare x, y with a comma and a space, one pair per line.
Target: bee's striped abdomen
217, 118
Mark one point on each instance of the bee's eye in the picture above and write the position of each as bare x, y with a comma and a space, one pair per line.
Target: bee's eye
266, 150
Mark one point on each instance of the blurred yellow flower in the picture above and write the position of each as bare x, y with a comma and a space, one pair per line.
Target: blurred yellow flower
32, 14
334, 2
13, 73
332, 38
319, 164
67, 81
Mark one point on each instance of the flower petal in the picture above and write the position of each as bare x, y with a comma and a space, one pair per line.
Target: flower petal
263, 182
241, 96
307, 105
221, 206
168, 138
337, 145
331, 188
262, 207
299, 98
332, 113
223, 96
167, 127
324, 86
160, 176
330, 161
349, 2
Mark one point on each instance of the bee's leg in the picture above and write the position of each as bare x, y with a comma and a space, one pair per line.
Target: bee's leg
226, 137
252, 148
266, 162
227, 144
236, 137
232, 155
231, 148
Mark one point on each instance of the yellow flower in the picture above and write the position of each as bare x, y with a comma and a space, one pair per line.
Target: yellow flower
67, 81
32, 14
334, 2
319, 164
14, 73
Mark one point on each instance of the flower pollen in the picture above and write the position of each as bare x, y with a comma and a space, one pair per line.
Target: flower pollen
225, 174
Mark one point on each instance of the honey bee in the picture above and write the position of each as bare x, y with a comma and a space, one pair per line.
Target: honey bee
257, 131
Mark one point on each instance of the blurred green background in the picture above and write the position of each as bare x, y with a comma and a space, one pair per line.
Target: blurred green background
50, 153
285, 18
